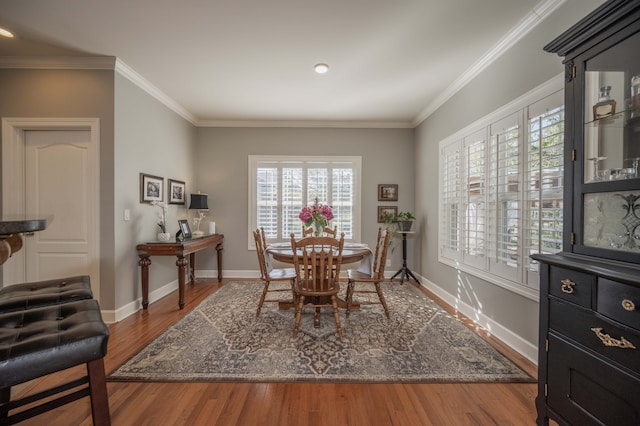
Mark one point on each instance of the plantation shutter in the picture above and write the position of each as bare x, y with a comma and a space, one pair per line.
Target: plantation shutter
545, 178
280, 186
475, 198
450, 200
504, 233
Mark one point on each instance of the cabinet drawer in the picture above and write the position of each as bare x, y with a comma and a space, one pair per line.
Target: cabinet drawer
571, 285
578, 323
620, 302
587, 391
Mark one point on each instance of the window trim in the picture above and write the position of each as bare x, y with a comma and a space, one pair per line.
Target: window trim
253, 160
518, 106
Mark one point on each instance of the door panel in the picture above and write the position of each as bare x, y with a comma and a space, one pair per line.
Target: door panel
57, 183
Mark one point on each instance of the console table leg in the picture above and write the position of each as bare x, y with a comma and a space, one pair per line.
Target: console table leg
144, 263
181, 263
219, 252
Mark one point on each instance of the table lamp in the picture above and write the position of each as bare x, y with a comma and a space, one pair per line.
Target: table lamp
199, 203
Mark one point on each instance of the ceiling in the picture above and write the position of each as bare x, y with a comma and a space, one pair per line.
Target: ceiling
243, 62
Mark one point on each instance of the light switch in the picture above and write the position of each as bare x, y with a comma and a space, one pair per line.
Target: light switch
127, 214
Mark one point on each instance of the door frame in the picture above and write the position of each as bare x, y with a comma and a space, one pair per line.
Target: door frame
13, 184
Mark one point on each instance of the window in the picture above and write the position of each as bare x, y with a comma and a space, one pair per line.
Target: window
501, 190
279, 186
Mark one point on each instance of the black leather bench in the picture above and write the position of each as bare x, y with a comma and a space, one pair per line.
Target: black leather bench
44, 293
38, 341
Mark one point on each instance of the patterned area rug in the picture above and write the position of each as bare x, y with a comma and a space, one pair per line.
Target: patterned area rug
222, 340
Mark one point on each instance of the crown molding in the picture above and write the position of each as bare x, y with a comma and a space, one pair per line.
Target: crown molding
307, 124
131, 75
539, 13
58, 62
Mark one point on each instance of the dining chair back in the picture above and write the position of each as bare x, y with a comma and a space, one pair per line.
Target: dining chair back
374, 278
326, 232
317, 262
268, 274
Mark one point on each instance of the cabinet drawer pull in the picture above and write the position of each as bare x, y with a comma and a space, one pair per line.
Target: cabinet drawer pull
567, 286
610, 341
628, 305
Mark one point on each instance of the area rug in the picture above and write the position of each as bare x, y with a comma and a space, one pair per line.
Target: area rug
223, 340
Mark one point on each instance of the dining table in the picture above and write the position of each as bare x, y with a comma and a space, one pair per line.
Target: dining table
351, 253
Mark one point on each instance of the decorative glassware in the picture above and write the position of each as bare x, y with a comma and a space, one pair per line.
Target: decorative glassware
606, 106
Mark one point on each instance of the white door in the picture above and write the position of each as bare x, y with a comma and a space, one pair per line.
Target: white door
57, 184
51, 168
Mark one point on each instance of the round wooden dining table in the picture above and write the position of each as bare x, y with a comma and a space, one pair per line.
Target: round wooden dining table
352, 254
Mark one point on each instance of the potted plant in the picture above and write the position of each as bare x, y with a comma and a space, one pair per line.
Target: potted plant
404, 221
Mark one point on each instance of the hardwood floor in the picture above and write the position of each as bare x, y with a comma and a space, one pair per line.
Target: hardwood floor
134, 403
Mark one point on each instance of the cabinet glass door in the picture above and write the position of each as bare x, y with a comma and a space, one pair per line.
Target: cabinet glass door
612, 114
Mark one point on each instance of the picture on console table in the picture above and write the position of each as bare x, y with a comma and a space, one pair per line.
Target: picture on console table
151, 188
175, 192
184, 228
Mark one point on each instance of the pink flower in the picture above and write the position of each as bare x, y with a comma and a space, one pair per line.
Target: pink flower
317, 213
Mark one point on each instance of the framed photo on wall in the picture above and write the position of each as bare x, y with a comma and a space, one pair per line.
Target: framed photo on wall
385, 212
387, 192
176, 192
151, 188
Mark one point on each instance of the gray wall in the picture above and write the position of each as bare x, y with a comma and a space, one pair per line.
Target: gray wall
72, 93
222, 172
522, 68
151, 139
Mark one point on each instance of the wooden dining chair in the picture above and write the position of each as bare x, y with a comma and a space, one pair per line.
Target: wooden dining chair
269, 274
317, 263
327, 232
374, 278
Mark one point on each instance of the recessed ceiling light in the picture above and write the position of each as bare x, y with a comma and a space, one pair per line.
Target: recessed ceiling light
5, 33
321, 68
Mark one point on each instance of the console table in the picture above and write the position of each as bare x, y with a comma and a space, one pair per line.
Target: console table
180, 249
405, 272
10, 230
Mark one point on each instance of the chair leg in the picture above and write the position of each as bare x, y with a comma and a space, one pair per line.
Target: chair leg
336, 315
264, 295
382, 299
98, 389
298, 316
349, 297
5, 397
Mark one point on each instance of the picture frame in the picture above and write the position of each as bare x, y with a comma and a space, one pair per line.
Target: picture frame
184, 228
151, 188
384, 212
387, 192
176, 191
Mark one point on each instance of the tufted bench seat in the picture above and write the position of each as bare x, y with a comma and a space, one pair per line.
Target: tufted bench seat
43, 293
40, 341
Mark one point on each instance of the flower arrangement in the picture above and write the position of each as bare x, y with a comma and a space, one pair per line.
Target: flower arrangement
162, 215
316, 215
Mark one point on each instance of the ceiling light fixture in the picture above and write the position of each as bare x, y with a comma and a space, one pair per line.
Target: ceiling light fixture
321, 68
6, 33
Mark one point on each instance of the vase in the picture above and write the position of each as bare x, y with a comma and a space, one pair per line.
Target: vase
317, 228
164, 236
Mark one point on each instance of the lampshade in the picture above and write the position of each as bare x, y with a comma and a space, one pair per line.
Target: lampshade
199, 202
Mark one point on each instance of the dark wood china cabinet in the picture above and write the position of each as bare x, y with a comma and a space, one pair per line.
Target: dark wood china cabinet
589, 345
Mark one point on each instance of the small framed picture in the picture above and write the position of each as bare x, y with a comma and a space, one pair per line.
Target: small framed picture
175, 192
387, 192
184, 228
151, 188
386, 212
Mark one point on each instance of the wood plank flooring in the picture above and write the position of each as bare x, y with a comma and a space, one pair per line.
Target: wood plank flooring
283, 403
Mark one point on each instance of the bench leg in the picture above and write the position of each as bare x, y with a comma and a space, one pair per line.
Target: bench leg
98, 389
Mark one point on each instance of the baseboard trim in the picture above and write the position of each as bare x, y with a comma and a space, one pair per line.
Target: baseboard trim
513, 340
